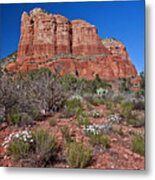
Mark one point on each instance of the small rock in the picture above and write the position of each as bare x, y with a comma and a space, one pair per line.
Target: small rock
125, 156
114, 140
112, 166
3, 125
137, 156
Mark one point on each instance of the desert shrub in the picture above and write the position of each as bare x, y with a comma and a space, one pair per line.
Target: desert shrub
35, 113
18, 149
125, 84
14, 118
142, 75
37, 148
132, 121
97, 83
109, 105
90, 106
44, 147
48, 92
19, 119
2, 114
76, 96
34, 74
139, 105
66, 134
8, 93
126, 109
36, 93
52, 121
72, 107
140, 93
135, 122
25, 119
73, 84
96, 101
138, 144
69, 82
44, 142
118, 99
99, 139
78, 156
82, 118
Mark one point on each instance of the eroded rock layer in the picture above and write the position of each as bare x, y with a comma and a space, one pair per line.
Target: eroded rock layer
63, 46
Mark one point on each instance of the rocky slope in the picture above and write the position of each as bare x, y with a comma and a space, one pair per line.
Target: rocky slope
63, 46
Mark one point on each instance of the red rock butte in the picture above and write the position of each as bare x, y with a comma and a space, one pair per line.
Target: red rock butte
73, 47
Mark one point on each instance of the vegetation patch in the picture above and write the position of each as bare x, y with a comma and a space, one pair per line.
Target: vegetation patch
126, 109
82, 118
78, 155
18, 149
99, 139
37, 148
66, 134
138, 145
72, 107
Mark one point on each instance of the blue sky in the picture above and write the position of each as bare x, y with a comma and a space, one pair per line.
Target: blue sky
121, 20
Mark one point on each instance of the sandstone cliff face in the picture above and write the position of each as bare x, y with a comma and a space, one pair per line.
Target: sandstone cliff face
52, 41
45, 35
117, 49
85, 40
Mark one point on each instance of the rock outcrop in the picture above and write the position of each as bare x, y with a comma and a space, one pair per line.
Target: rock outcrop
63, 46
85, 40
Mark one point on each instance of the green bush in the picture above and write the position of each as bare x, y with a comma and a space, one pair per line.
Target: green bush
14, 118
140, 93
35, 113
78, 156
90, 106
99, 139
72, 107
25, 119
69, 82
109, 105
44, 142
140, 105
138, 145
18, 149
66, 134
37, 149
82, 118
36, 93
19, 119
125, 84
118, 99
72, 84
142, 75
45, 148
34, 74
126, 109
98, 83
135, 122
96, 101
